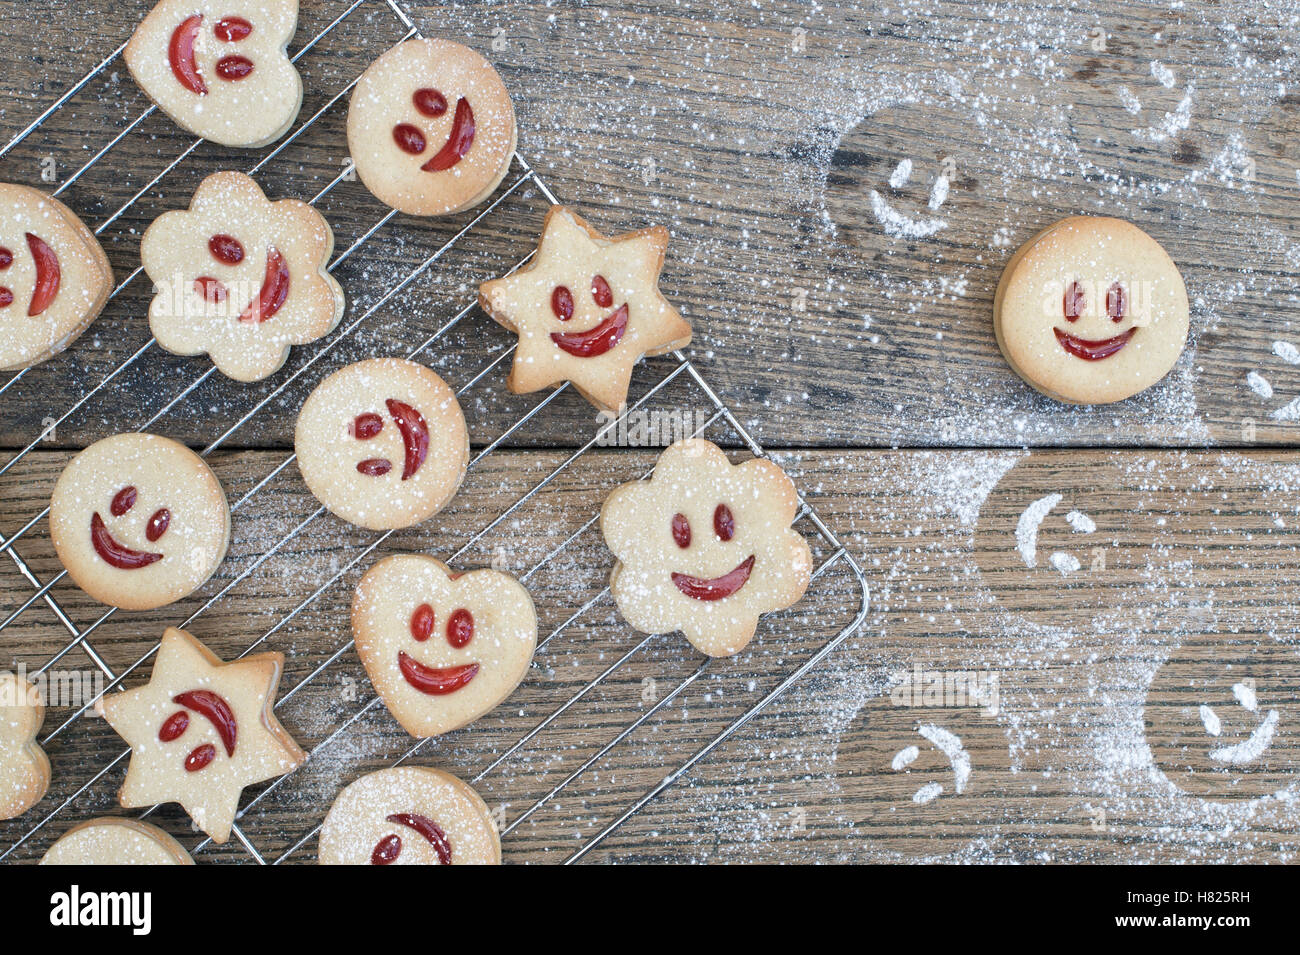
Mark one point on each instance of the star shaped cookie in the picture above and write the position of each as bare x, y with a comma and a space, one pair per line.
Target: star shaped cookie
586, 310
200, 731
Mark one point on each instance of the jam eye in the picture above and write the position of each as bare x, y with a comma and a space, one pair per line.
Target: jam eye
232, 29
409, 139
1073, 303
158, 524
562, 303
460, 628
600, 291
724, 525
422, 623
681, 531
366, 425
1116, 302
429, 102
226, 249
123, 501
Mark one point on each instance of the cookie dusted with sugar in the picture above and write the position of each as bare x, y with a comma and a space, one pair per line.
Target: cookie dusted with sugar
409, 815
240, 277
441, 648
705, 546
586, 309
24, 767
54, 277
139, 521
200, 731
114, 840
431, 128
1091, 310
382, 443
220, 68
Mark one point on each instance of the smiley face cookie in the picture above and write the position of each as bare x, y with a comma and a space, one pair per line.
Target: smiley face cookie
139, 521
431, 128
1091, 310
409, 815
705, 546
219, 68
116, 841
24, 767
200, 731
586, 309
441, 648
382, 443
240, 277
54, 277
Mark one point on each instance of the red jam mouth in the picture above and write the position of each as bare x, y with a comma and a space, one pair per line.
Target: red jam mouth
180, 52
113, 552
274, 291
595, 341
409, 139
1093, 349
435, 681
715, 588
389, 848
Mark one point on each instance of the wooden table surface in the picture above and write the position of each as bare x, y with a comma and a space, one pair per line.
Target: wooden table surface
1119, 657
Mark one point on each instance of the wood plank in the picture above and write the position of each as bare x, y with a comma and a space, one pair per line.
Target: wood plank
756, 136
1185, 597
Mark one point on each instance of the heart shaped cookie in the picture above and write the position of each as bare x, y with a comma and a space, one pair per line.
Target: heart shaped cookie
441, 648
24, 767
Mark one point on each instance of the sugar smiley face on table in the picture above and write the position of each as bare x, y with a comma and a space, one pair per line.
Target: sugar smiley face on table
219, 68
139, 521
441, 648
382, 443
240, 277
431, 127
705, 546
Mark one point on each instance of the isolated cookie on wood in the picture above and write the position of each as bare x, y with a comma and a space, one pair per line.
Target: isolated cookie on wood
219, 68
139, 521
705, 546
24, 767
1091, 310
240, 277
409, 815
200, 731
441, 648
114, 840
586, 309
431, 128
54, 277
382, 443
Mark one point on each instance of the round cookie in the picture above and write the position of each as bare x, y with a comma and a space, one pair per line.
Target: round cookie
139, 521
431, 128
1091, 310
382, 443
409, 815
114, 840
441, 648
54, 277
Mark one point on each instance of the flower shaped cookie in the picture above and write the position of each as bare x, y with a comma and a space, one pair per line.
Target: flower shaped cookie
240, 277
24, 767
705, 546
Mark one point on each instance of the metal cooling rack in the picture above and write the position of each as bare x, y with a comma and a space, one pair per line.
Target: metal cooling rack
678, 367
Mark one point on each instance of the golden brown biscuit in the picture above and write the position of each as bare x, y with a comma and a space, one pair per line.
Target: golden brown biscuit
24, 767
114, 840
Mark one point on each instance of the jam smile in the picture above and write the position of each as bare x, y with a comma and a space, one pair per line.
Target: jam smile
595, 341
1093, 349
435, 681
715, 588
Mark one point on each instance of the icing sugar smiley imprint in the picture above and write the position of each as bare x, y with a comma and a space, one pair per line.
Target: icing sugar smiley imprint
219, 68
1091, 310
54, 277
586, 310
200, 731
382, 443
116, 841
409, 815
24, 767
240, 277
441, 649
139, 521
705, 546
431, 128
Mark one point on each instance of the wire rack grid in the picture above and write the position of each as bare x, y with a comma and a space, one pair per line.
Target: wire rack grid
678, 368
